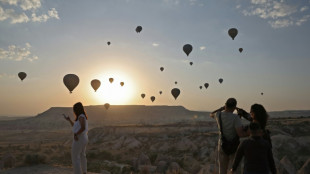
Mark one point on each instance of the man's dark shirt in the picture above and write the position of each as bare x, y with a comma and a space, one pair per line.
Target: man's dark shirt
258, 155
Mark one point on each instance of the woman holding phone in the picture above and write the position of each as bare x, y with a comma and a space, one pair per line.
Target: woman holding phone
80, 130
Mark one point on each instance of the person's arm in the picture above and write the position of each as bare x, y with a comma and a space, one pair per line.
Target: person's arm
241, 132
238, 157
242, 113
272, 165
68, 119
239, 128
212, 114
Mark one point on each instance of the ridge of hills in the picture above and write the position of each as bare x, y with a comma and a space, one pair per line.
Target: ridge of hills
115, 115
121, 115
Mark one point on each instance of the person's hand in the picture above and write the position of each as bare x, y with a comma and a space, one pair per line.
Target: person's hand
66, 117
76, 137
231, 171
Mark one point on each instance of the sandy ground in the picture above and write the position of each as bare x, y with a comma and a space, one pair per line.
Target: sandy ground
40, 169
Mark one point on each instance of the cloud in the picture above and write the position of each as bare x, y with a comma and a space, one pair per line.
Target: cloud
187, 2
202, 48
26, 11
155, 44
305, 8
302, 20
17, 53
13, 16
279, 14
4, 75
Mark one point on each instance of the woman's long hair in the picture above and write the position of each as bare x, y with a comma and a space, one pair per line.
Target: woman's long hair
260, 114
78, 109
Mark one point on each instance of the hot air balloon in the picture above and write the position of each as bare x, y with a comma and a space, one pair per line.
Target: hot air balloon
200, 87
109, 43
71, 81
175, 93
191, 63
111, 80
221, 80
161, 68
262, 93
175, 82
240, 50
187, 49
232, 33
160, 92
107, 106
138, 29
95, 84
152, 98
22, 75
142, 95
122, 83
206, 85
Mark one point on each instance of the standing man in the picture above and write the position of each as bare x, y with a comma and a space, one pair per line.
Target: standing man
231, 127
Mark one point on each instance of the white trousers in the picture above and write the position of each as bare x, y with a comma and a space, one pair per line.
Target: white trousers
226, 161
78, 154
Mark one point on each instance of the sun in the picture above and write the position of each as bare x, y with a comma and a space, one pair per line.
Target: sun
113, 92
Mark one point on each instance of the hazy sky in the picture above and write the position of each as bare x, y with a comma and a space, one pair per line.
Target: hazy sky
49, 39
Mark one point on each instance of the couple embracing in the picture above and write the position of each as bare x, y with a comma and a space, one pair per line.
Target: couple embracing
256, 149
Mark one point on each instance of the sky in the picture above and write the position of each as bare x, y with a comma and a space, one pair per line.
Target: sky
49, 39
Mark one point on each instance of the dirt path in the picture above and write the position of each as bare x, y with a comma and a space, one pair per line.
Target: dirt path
40, 169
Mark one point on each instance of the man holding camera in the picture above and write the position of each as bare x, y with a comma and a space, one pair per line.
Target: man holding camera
231, 129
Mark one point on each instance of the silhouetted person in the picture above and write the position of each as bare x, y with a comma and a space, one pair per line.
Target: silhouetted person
80, 130
231, 128
257, 114
258, 158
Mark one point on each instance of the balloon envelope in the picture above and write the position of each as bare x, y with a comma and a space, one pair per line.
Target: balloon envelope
138, 29
71, 81
175, 82
187, 49
122, 83
221, 80
107, 106
95, 84
200, 87
111, 80
232, 33
142, 95
22, 75
240, 50
152, 98
262, 93
206, 85
161, 68
191, 63
160, 92
175, 93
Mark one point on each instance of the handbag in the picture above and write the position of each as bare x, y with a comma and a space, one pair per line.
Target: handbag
229, 147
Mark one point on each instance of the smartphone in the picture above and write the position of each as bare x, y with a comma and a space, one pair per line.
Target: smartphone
66, 117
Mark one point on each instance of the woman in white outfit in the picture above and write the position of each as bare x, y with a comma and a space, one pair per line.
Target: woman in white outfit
80, 130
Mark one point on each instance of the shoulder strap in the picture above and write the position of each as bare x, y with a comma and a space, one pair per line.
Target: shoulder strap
220, 121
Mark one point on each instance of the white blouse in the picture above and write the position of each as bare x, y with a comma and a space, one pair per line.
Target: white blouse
77, 125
